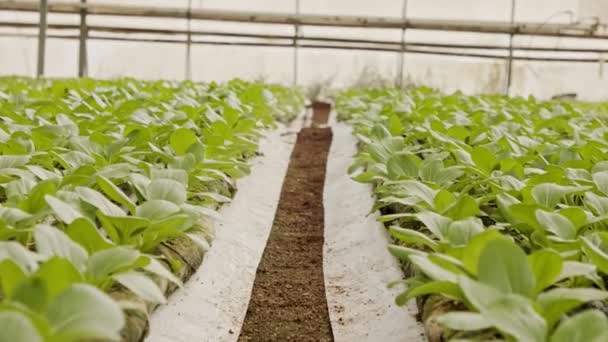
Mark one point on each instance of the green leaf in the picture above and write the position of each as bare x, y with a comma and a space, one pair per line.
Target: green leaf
106, 262
52, 242
587, 326
443, 200
10, 161
515, 316
395, 126
597, 203
62, 210
601, 181
480, 295
32, 292
114, 193
546, 265
431, 269
419, 190
141, 285
413, 237
99, 201
445, 288
460, 232
35, 200
401, 166
175, 174
550, 194
526, 214
58, 274
121, 229
576, 215
437, 224
572, 269
433, 171
83, 312
556, 224
464, 321
559, 301
464, 207
484, 159
596, 255
84, 232
181, 139
504, 266
15, 252
16, 327
168, 190
403, 252
157, 268
472, 252
157, 209
120, 170
13, 216
12, 275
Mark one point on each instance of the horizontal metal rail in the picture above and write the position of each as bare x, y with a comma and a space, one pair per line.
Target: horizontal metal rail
408, 49
581, 30
297, 40
395, 43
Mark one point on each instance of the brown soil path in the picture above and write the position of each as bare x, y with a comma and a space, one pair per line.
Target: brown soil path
288, 298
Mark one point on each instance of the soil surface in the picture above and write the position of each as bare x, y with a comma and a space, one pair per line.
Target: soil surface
288, 299
320, 113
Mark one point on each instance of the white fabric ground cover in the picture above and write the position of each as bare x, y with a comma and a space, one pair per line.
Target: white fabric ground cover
212, 304
357, 264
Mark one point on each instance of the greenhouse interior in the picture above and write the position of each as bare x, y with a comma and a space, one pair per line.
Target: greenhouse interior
303, 170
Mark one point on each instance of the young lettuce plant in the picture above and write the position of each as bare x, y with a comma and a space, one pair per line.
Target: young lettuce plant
45, 299
518, 295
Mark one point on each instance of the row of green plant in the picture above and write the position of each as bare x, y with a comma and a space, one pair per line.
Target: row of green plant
498, 207
96, 175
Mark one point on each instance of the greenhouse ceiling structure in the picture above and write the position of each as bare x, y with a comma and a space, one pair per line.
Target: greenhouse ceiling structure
452, 46
303, 170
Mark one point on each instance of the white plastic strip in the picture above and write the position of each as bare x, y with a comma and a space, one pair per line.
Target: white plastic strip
213, 303
356, 262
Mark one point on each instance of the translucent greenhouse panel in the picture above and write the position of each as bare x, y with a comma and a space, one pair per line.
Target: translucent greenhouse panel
18, 56
136, 59
469, 75
61, 58
594, 8
386, 8
545, 80
554, 11
343, 68
222, 63
268, 6
496, 10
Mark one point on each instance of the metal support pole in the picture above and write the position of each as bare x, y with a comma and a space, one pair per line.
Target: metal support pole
400, 81
43, 10
510, 59
82, 48
295, 49
189, 43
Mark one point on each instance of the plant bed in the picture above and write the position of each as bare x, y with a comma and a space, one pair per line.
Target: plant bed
496, 208
288, 300
107, 193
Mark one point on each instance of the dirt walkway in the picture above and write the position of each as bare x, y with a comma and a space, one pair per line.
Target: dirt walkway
288, 299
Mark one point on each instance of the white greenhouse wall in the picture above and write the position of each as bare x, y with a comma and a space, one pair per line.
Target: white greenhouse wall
337, 68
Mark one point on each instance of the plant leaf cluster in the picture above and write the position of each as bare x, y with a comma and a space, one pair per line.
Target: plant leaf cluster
96, 175
500, 204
